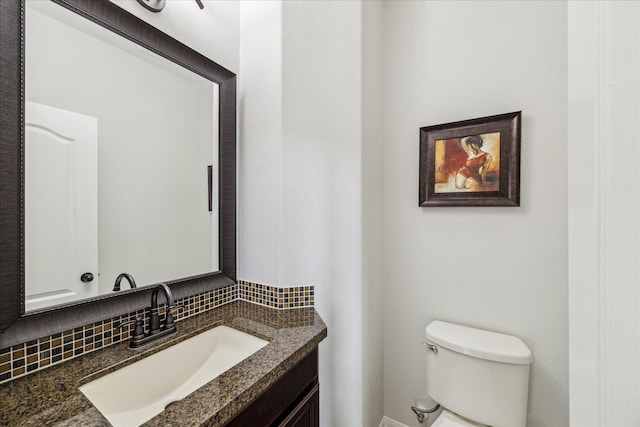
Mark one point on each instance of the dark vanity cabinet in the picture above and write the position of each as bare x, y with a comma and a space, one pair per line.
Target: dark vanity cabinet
292, 401
306, 413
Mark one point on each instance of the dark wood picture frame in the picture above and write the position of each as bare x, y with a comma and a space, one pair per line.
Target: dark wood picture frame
16, 326
457, 168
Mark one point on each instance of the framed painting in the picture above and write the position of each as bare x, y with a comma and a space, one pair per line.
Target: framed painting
471, 163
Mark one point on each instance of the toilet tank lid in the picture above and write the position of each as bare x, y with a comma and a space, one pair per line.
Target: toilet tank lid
479, 343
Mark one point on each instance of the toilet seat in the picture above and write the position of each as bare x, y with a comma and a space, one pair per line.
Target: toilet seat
449, 419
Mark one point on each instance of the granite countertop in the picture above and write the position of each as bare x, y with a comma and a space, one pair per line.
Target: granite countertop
51, 396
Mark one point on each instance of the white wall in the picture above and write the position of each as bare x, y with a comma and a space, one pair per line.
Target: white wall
260, 142
503, 269
322, 204
372, 219
604, 207
300, 185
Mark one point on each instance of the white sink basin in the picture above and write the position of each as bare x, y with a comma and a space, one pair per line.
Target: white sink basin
138, 392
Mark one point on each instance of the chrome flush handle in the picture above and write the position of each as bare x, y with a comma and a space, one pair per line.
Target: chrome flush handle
431, 346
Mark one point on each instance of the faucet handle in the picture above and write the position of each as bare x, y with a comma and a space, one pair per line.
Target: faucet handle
176, 308
168, 322
180, 307
168, 317
138, 331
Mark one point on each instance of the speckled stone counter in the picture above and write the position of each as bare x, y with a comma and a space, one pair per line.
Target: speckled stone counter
51, 397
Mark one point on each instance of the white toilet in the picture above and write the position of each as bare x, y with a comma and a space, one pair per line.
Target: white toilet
480, 378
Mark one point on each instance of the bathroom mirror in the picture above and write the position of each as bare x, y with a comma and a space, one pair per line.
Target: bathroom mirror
118, 146
132, 199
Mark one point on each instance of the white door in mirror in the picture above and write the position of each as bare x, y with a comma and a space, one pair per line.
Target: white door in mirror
136, 393
61, 206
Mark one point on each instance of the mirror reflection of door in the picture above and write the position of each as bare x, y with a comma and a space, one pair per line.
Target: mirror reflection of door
61, 206
158, 133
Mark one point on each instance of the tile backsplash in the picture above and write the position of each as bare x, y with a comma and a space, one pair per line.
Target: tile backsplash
25, 358
272, 296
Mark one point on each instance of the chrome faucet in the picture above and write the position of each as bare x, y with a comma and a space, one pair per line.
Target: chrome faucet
156, 329
132, 283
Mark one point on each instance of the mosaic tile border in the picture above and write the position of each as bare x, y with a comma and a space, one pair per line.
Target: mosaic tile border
274, 297
26, 358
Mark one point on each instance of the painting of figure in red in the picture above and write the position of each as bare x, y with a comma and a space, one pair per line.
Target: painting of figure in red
468, 164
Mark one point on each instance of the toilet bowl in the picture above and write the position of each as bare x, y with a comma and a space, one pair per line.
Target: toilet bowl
479, 377
449, 419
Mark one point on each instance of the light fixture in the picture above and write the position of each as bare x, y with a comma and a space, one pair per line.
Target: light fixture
153, 5
158, 5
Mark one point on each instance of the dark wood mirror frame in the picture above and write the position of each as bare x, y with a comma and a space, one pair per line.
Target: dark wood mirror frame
17, 327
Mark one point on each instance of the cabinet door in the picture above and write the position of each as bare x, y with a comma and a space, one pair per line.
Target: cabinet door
276, 405
307, 413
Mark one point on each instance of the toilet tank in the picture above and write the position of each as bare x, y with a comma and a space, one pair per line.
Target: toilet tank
478, 374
